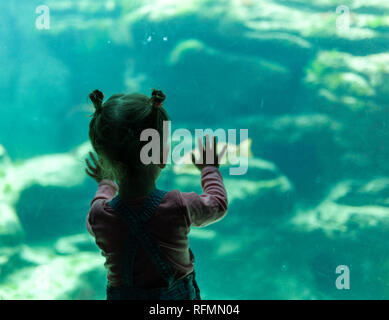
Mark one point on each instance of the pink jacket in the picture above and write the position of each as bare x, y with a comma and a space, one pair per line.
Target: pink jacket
169, 226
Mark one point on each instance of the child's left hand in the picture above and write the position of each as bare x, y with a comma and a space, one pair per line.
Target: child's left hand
96, 171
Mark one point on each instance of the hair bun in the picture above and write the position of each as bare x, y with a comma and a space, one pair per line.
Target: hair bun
157, 97
97, 98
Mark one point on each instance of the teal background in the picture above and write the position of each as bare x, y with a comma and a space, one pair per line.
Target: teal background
313, 94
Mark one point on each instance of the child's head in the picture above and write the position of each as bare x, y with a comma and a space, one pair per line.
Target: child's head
116, 127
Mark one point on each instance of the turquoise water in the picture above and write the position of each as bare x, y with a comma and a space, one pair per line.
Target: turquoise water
309, 219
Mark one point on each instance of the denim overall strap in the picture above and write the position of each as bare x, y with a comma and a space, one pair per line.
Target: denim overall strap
129, 252
151, 204
137, 224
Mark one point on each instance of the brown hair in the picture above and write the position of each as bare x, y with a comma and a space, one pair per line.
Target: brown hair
117, 123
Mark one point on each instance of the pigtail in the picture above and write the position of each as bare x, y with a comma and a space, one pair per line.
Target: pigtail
157, 98
97, 98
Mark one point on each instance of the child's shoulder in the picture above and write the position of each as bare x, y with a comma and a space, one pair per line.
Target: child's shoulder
173, 208
172, 198
178, 199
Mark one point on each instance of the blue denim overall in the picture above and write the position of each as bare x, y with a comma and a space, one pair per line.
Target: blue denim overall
182, 289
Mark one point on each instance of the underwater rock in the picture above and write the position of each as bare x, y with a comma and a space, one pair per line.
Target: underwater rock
327, 24
34, 89
11, 231
48, 171
259, 25
63, 169
374, 192
13, 258
43, 275
348, 227
349, 83
266, 45
59, 210
53, 191
354, 90
352, 208
75, 243
73, 269
264, 184
297, 257
306, 147
205, 64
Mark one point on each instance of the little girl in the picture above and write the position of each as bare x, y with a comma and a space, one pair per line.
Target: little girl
143, 231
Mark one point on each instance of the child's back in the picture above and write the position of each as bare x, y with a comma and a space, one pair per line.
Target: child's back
144, 238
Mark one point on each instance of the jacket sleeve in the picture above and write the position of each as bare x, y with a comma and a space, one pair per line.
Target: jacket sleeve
106, 190
211, 205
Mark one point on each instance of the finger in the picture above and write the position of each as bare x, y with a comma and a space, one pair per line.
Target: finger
90, 174
90, 167
95, 161
88, 163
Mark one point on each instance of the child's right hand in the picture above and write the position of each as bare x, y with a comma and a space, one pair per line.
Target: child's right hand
213, 156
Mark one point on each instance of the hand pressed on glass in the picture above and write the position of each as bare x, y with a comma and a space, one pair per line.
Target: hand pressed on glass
95, 171
208, 155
